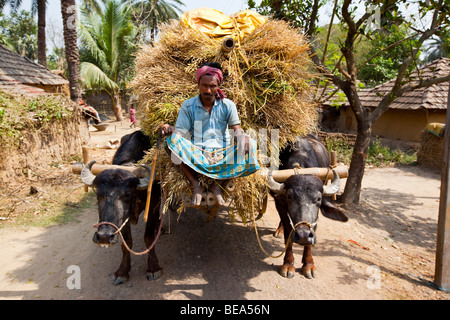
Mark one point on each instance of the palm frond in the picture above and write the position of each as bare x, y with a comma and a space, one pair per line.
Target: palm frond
92, 5
94, 78
107, 40
152, 13
89, 34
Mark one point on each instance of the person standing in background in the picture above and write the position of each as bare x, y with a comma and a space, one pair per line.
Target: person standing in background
132, 117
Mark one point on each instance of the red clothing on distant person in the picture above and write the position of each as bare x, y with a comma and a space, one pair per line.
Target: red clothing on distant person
132, 115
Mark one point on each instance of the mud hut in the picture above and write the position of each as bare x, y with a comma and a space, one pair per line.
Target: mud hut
409, 114
37, 129
20, 73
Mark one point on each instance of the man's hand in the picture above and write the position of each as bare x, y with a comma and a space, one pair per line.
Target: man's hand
241, 139
167, 129
243, 143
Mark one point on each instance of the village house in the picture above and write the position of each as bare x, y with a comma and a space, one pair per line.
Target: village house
40, 145
408, 115
19, 75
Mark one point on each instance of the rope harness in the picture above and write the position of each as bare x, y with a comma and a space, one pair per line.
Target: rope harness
119, 231
289, 239
212, 156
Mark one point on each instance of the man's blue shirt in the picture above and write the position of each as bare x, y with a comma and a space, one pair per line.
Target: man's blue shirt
206, 130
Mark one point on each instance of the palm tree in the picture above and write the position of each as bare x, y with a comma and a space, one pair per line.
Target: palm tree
42, 47
438, 47
146, 14
37, 6
107, 47
19, 33
93, 5
151, 13
68, 11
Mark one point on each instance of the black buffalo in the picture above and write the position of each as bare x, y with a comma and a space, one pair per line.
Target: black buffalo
132, 149
121, 197
299, 199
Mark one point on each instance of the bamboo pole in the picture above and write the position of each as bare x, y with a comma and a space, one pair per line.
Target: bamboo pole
278, 175
321, 173
96, 169
150, 185
85, 151
442, 267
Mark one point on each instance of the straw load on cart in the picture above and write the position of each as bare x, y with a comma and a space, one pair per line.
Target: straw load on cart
266, 74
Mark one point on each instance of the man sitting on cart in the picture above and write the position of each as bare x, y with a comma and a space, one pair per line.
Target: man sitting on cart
201, 142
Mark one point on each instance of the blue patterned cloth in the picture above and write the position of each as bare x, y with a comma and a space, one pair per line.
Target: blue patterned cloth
219, 164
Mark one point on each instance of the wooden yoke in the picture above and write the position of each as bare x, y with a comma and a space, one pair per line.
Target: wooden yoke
322, 173
96, 169
278, 175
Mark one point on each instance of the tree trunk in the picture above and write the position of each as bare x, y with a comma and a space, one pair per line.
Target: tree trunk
117, 106
68, 11
42, 48
352, 189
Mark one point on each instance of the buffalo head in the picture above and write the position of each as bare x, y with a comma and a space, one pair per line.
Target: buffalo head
117, 191
301, 197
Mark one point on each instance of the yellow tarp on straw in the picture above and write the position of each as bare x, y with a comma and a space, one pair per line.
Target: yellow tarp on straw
438, 129
217, 25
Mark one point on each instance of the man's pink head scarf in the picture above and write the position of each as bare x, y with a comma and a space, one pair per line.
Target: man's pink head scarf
206, 70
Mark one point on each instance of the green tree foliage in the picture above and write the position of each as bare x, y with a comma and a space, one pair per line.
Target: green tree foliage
150, 14
389, 48
355, 19
107, 50
298, 12
18, 32
37, 7
146, 14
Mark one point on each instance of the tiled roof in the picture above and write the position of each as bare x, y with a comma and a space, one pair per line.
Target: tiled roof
15, 68
433, 97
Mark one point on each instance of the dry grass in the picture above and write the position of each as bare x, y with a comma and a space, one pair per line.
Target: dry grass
266, 75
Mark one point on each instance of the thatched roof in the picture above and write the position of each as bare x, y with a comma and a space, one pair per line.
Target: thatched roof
17, 69
433, 97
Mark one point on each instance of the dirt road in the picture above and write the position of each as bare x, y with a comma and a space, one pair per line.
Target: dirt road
392, 234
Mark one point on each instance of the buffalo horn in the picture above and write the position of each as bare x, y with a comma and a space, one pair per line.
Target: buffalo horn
334, 187
86, 174
143, 183
275, 186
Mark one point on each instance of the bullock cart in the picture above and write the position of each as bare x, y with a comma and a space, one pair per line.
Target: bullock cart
208, 202
267, 75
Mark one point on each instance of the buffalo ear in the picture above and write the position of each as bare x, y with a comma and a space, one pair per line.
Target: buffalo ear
331, 212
